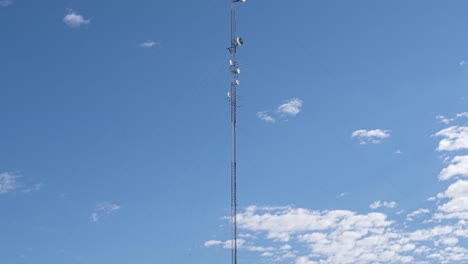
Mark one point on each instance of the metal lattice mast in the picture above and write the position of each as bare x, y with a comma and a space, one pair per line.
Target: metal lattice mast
234, 69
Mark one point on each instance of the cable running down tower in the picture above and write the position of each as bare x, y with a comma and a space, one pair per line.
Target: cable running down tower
235, 71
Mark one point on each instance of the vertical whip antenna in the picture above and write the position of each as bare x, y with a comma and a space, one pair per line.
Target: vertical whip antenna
235, 71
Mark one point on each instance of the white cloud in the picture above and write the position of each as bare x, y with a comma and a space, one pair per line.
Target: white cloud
8, 182
74, 20
345, 237
444, 119
302, 236
94, 217
292, 107
457, 205
305, 260
455, 138
104, 208
285, 247
107, 207
338, 236
242, 235
462, 115
343, 194
457, 167
456, 190
6, 2
461, 63
378, 204
412, 215
149, 44
447, 120
225, 244
281, 224
265, 117
400, 212
211, 243
267, 254
371, 136
398, 152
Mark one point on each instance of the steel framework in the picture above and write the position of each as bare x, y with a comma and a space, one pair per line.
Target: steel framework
234, 69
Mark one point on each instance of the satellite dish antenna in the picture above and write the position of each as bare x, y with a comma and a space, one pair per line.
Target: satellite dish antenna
239, 41
238, 71
229, 94
231, 62
237, 82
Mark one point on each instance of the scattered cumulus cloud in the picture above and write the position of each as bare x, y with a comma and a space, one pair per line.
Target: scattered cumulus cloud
225, 244
337, 236
8, 182
457, 167
6, 2
149, 44
75, 20
455, 138
344, 237
446, 120
454, 202
265, 117
462, 63
378, 204
370, 136
286, 234
291, 108
103, 208
412, 215
241, 244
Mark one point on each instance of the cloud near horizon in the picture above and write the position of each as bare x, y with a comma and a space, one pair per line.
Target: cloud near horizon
437, 233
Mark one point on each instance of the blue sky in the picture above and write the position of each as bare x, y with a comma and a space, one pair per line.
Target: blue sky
352, 132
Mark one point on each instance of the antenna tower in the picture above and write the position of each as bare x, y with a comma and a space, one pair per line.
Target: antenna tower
235, 71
